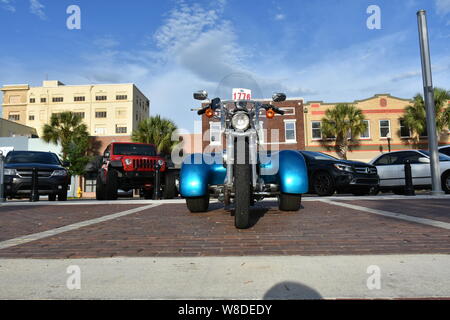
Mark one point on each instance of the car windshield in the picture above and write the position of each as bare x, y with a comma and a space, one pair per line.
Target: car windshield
318, 155
127, 149
442, 157
32, 157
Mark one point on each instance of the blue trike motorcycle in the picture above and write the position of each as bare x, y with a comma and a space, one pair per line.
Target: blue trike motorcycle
243, 172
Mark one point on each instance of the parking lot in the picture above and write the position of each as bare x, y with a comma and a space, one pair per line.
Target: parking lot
340, 228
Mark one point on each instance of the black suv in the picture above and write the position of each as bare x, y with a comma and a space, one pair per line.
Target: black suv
328, 175
53, 178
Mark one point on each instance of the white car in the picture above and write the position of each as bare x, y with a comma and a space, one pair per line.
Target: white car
391, 170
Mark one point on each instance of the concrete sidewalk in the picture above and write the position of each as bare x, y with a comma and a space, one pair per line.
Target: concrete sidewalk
258, 277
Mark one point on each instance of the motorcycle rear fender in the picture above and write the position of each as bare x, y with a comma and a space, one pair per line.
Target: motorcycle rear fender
198, 171
292, 174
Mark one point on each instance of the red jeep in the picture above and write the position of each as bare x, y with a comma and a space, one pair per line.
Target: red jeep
128, 166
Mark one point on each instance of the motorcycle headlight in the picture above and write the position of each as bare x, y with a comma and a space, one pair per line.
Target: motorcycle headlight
128, 162
343, 167
160, 162
240, 121
10, 172
59, 173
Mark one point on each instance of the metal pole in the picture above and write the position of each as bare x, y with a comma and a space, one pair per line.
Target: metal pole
409, 188
429, 102
2, 178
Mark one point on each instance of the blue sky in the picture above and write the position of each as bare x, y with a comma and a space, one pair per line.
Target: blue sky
318, 50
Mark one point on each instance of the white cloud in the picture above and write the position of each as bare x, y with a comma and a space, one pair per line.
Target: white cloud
279, 17
443, 6
7, 5
37, 9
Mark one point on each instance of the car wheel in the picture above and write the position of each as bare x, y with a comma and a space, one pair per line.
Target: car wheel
62, 196
111, 185
373, 191
198, 204
100, 188
289, 202
170, 189
52, 197
446, 182
323, 184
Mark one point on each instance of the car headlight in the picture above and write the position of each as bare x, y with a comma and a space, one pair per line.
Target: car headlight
343, 167
128, 162
59, 173
240, 121
10, 172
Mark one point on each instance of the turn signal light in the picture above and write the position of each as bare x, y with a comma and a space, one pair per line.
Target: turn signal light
270, 114
209, 112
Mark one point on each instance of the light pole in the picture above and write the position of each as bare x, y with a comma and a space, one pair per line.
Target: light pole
429, 102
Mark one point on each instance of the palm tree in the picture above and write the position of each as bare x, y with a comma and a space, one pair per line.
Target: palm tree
158, 131
65, 128
415, 115
342, 124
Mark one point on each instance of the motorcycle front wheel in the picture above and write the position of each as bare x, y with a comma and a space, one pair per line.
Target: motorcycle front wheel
242, 187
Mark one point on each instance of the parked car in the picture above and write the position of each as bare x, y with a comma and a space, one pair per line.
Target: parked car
53, 177
129, 166
445, 150
391, 169
328, 174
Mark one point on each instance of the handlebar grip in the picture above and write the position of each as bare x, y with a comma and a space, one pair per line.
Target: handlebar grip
202, 111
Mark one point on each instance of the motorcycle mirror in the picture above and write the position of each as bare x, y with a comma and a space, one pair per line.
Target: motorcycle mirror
279, 97
201, 95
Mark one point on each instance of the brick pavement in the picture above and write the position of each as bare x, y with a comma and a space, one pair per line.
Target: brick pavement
16, 221
170, 230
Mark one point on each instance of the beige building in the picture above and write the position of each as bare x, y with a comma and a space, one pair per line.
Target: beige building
385, 131
107, 109
12, 129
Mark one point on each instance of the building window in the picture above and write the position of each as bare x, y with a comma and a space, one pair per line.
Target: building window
31, 117
214, 133
121, 128
32, 100
58, 99
404, 130
14, 116
100, 98
100, 130
316, 130
100, 114
89, 185
79, 98
43, 100
289, 131
385, 128
366, 133
121, 97
80, 114
14, 99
